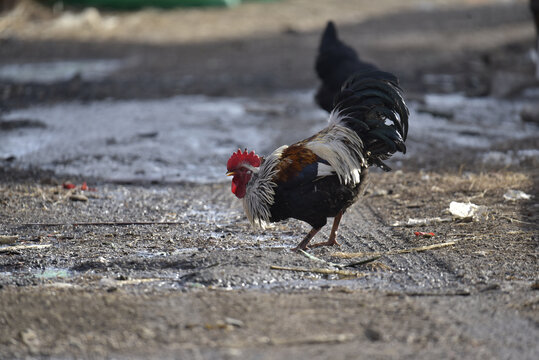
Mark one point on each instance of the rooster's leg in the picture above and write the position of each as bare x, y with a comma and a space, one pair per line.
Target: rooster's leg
333, 236
303, 244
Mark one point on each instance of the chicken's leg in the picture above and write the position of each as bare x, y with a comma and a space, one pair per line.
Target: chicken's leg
333, 236
303, 244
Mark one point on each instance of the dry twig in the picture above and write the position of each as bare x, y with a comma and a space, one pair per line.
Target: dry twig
103, 223
516, 220
339, 266
344, 255
319, 271
23, 247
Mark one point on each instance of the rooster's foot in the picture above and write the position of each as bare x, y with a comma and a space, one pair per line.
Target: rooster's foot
325, 243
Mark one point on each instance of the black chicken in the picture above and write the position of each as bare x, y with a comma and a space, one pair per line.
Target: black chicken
335, 63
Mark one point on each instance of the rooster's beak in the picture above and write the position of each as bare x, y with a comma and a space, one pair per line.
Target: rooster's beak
230, 173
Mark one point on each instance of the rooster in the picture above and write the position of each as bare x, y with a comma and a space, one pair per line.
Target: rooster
335, 63
323, 175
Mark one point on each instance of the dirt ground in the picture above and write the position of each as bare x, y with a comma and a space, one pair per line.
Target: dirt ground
80, 278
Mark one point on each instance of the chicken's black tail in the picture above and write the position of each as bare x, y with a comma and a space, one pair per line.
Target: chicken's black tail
371, 103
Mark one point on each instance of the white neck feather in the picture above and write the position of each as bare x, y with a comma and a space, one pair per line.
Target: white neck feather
260, 192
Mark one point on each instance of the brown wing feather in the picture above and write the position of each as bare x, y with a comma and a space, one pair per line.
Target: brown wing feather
293, 160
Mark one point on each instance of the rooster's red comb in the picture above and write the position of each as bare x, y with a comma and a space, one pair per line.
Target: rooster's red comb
239, 157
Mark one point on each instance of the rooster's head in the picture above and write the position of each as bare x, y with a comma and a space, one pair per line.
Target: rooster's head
242, 165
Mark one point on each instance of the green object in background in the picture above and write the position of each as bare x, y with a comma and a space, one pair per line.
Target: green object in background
138, 4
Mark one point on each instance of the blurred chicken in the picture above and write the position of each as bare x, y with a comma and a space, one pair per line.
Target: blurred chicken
534, 7
335, 63
323, 175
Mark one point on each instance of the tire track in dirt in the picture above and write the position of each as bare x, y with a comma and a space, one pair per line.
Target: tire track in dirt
409, 272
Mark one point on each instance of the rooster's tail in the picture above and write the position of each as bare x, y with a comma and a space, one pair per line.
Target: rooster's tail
372, 105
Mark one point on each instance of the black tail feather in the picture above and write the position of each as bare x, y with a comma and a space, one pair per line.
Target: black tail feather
372, 104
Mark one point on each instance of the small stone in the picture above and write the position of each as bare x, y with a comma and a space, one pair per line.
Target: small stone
7, 239
30, 339
380, 192
78, 197
234, 322
372, 334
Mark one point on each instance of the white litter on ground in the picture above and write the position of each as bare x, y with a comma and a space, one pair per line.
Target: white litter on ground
466, 210
514, 195
421, 221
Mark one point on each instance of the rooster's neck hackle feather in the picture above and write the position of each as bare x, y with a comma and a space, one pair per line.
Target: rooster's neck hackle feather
261, 190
